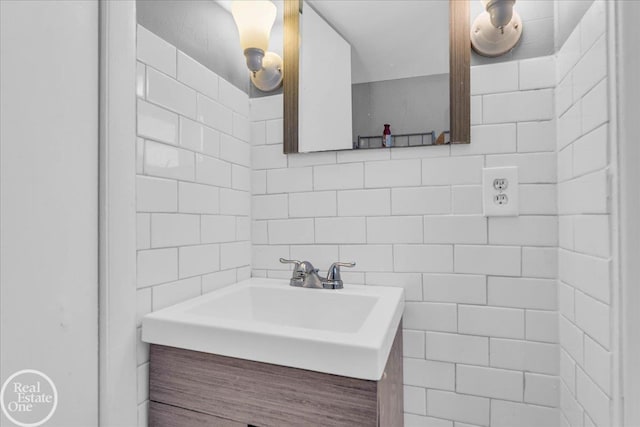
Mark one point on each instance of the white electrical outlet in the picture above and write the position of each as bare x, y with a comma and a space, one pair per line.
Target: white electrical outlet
500, 191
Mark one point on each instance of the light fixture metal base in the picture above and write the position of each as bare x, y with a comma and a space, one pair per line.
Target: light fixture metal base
254, 58
490, 41
269, 77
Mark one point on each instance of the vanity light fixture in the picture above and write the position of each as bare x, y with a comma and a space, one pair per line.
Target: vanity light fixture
497, 30
254, 19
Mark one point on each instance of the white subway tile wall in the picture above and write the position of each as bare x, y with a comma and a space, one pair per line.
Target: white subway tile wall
193, 184
507, 320
585, 229
480, 323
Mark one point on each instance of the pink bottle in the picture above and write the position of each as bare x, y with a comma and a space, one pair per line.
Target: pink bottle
386, 136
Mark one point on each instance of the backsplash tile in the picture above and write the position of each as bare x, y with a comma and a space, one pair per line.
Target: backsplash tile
174, 230
494, 78
218, 228
420, 200
198, 260
521, 292
338, 177
173, 293
386, 229
156, 52
341, 230
507, 319
458, 407
364, 202
234, 98
505, 414
312, 204
156, 194
289, 180
457, 348
214, 114
392, 173
541, 326
489, 139
168, 162
524, 355
474, 287
452, 170
169, 93
585, 226
458, 288
537, 73
490, 382
157, 266
491, 321
198, 198
489, 260
157, 123
235, 150
193, 183
518, 106
197, 76
212, 171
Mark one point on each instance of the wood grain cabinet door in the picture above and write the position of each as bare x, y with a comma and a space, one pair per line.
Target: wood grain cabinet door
186, 387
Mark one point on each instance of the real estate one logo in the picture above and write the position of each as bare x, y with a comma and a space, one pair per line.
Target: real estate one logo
28, 398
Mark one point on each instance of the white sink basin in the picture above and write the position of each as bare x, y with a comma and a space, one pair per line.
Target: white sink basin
345, 332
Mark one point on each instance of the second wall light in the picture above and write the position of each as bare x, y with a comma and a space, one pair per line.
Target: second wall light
497, 30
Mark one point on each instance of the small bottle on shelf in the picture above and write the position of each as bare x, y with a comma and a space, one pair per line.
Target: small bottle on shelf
386, 136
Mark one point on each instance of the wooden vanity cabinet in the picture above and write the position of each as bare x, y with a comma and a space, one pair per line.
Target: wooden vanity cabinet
189, 388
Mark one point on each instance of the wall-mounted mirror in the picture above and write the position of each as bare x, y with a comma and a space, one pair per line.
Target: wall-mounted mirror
352, 67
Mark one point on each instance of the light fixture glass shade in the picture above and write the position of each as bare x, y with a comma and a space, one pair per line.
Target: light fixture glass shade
254, 19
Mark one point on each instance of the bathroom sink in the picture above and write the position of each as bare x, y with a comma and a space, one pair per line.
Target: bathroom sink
345, 332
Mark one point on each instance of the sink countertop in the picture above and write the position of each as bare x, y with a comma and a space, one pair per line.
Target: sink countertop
346, 332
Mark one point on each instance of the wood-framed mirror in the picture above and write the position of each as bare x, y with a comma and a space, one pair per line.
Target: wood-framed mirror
459, 57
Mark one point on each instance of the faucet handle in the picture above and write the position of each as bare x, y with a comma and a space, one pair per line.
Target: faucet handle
334, 279
300, 268
342, 264
290, 261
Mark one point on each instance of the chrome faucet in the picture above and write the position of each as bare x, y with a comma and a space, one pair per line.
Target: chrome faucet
334, 280
306, 276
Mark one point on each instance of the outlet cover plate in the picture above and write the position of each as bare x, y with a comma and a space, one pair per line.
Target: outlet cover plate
500, 191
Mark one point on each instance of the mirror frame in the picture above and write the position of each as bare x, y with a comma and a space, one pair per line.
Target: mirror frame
459, 73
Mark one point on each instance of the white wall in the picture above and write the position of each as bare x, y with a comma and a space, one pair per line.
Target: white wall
480, 321
586, 290
193, 182
49, 184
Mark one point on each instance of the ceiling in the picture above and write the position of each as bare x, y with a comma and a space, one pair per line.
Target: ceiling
391, 39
